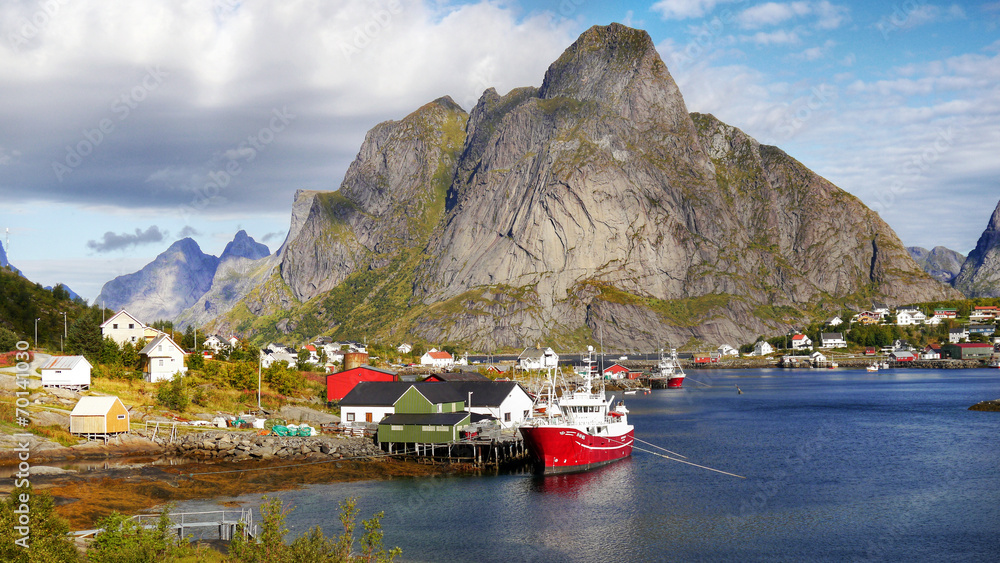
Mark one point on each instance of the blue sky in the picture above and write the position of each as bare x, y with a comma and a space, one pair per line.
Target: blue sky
129, 125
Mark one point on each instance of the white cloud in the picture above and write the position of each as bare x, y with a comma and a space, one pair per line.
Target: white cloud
779, 37
827, 16
685, 9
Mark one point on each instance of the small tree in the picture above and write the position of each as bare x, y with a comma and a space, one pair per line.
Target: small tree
173, 394
49, 538
130, 356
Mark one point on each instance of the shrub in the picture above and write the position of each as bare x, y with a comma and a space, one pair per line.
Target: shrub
173, 394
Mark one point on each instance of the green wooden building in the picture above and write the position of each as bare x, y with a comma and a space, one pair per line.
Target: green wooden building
429, 413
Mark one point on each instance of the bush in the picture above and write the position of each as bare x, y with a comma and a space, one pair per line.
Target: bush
124, 541
49, 533
314, 546
173, 394
8, 339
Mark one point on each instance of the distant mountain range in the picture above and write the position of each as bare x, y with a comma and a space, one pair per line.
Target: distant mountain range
176, 279
594, 206
943, 264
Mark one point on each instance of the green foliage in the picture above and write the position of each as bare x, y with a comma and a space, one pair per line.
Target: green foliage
875, 336
282, 379
8, 340
84, 338
302, 360
130, 356
48, 540
173, 394
110, 353
124, 541
314, 546
195, 361
242, 375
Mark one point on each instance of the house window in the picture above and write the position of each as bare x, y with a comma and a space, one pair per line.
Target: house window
368, 417
396, 428
133, 339
121, 417
161, 363
506, 417
159, 347
115, 326
131, 325
350, 417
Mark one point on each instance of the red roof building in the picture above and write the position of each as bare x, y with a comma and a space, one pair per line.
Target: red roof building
615, 371
340, 384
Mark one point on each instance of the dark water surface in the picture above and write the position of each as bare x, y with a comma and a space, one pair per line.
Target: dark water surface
840, 465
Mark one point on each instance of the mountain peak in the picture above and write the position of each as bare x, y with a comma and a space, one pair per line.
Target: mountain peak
995, 220
244, 246
619, 67
980, 275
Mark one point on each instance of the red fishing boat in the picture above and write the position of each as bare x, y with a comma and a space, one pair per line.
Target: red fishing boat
670, 370
579, 431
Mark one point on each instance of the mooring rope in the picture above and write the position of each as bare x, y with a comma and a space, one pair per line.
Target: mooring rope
659, 448
689, 463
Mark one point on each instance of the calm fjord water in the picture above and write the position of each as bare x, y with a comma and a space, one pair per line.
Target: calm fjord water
840, 465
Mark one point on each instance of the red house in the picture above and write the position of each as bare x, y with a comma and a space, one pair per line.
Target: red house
340, 384
616, 371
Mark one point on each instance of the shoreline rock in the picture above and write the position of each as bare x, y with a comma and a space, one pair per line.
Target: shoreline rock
990, 406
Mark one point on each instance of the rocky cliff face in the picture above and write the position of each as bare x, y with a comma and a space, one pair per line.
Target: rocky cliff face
392, 197
980, 275
595, 204
943, 264
166, 286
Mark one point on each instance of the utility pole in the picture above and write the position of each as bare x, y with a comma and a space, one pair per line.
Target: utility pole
260, 362
36, 333
64, 332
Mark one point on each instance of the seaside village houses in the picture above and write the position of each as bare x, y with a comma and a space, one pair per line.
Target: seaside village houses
538, 358
159, 357
437, 359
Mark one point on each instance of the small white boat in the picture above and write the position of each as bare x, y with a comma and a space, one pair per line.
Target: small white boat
872, 368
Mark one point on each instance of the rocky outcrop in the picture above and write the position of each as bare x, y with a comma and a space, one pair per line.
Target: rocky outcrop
392, 197
980, 275
595, 204
232, 446
172, 282
943, 264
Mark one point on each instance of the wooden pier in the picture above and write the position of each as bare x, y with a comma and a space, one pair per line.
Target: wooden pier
227, 522
506, 452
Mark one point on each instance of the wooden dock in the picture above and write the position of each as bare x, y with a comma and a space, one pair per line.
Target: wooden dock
506, 452
227, 522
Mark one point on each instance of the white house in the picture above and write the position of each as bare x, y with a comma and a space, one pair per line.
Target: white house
834, 321
880, 309
817, 357
437, 359
215, 342
727, 350
956, 335
123, 327
762, 348
800, 341
505, 401
538, 358
832, 340
67, 371
930, 353
233, 341
933, 321
404, 348
161, 359
906, 317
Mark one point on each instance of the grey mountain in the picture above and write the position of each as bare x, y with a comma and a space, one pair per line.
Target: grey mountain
596, 204
943, 264
980, 275
172, 282
243, 246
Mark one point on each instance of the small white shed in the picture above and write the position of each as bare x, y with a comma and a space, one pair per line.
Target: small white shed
67, 371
